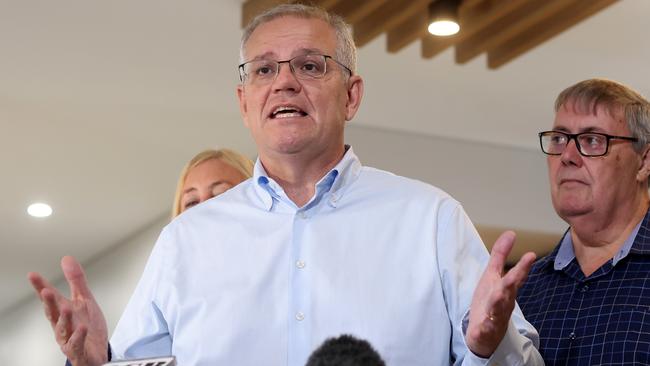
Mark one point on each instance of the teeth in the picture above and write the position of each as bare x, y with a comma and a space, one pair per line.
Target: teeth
288, 115
283, 109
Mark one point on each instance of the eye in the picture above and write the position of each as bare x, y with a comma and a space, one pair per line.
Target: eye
220, 188
190, 204
557, 139
263, 68
311, 67
593, 140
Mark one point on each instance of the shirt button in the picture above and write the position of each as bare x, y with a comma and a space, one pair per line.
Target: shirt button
300, 264
572, 336
300, 316
584, 288
302, 215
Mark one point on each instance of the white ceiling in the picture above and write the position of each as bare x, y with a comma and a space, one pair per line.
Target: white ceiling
102, 102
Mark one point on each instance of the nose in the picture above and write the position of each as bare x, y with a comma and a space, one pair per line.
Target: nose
286, 80
205, 195
571, 155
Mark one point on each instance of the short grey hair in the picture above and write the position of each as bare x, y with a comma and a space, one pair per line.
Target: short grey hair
346, 51
617, 100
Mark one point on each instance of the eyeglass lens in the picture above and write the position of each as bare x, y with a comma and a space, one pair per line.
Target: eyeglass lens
303, 67
588, 144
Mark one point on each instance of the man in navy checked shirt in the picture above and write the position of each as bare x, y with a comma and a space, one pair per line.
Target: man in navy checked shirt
590, 298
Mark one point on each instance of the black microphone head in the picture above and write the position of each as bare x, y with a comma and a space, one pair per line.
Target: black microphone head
345, 350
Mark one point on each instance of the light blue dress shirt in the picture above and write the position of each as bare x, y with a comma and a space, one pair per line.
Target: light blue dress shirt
250, 279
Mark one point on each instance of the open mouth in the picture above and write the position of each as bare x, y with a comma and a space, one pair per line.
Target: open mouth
287, 112
571, 181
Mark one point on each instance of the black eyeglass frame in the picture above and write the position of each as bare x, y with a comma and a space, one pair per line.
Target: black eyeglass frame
241, 66
574, 137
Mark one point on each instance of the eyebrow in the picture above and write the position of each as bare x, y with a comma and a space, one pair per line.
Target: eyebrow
188, 190
299, 52
582, 130
219, 182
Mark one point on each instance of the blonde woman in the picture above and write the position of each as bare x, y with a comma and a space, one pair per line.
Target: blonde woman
208, 174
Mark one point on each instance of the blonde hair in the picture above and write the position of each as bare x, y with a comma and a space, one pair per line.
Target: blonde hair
236, 160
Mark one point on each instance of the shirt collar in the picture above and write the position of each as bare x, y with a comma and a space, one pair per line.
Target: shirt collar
334, 183
565, 254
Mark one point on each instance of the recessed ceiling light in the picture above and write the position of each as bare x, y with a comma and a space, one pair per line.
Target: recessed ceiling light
443, 17
444, 28
39, 210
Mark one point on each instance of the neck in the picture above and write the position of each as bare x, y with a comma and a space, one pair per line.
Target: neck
597, 241
297, 174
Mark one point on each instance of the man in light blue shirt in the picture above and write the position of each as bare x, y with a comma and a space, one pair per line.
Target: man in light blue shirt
314, 245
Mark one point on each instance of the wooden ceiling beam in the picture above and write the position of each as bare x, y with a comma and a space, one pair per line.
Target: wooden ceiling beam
543, 31
355, 11
325, 4
384, 19
509, 23
473, 3
410, 30
432, 45
502, 29
478, 15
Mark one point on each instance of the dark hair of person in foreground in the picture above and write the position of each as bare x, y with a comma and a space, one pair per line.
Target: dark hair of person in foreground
345, 350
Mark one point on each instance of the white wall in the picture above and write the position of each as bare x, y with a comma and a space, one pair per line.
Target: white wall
26, 338
516, 198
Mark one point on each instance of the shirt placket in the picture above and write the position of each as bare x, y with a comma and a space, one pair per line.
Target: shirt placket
299, 317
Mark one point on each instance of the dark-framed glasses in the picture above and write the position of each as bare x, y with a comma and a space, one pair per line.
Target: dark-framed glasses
588, 143
304, 67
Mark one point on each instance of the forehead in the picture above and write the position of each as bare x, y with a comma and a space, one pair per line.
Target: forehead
208, 169
575, 117
287, 36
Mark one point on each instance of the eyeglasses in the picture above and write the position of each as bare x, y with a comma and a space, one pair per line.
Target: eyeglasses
303, 67
588, 143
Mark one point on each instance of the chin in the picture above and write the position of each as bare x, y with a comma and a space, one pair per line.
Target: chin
291, 147
566, 212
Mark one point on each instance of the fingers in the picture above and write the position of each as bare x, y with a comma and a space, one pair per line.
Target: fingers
500, 250
49, 296
510, 284
517, 275
77, 340
63, 328
38, 282
76, 278
49, 299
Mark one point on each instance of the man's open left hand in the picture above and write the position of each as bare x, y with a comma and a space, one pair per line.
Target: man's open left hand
494, 297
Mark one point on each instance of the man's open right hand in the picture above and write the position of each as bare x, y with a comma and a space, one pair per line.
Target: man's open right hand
78, 323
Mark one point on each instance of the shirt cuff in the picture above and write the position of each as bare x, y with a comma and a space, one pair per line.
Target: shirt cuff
514, 349
110, 356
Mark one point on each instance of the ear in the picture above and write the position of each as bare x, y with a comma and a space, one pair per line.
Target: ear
243, 108
644, 169
355, 94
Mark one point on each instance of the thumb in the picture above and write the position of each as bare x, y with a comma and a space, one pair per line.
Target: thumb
500, 250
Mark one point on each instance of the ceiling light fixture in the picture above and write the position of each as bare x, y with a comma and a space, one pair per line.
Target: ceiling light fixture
39, 209
443, 16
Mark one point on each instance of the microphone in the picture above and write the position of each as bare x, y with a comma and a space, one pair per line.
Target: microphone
157, 361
